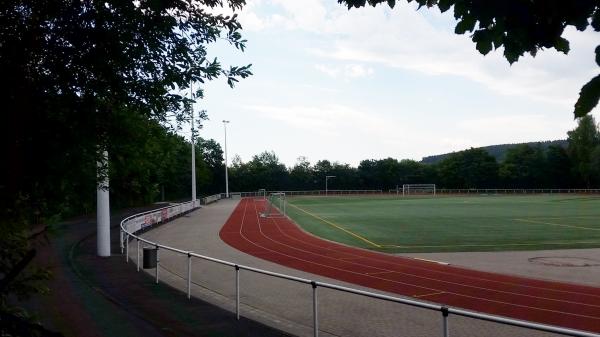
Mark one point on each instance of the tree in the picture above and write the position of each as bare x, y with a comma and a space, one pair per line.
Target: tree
558, 167
75, 71
523, 167
75, 74
302, 175
210, 166
346, 177
263, 171
520, 27
582, 142
473, 168
595, 166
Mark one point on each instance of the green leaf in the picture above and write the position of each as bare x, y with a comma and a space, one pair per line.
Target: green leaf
466, 24
588, 97
444, 5
391, 3
561, 44
483, 41
596, 20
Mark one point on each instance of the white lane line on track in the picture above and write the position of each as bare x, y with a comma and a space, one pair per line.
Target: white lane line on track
408, 284
418, 286
429, 294
432, 261
437, 290
420, 276
442, 272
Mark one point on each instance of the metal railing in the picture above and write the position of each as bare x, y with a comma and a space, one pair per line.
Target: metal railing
518, 190
438, 190
445, 311
211, 198
306, 192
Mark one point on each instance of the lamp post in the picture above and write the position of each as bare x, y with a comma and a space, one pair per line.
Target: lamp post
226, 176
193, 148
326, 179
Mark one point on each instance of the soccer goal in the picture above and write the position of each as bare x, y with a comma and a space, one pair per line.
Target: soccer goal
418, 189
276, 205
261, 194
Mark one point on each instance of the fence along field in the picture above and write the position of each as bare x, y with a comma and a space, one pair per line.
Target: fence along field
452, 223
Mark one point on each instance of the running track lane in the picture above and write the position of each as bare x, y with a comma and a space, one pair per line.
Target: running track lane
281, 241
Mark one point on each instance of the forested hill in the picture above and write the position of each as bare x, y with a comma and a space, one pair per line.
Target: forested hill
499, 151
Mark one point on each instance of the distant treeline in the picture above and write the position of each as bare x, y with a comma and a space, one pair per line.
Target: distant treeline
574, 162
155, 164
499, 151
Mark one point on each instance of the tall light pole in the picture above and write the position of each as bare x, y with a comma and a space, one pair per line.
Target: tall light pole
226, 176
326, 179
193, 147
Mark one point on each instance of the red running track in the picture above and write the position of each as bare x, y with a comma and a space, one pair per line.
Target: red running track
280, 240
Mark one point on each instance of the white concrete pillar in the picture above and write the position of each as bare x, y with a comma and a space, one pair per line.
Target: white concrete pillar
102, 208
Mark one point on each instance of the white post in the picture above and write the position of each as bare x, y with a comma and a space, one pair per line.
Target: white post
326, 179
193, 149
138, 254
189, 276
102, 208
237, 292
445, 330
157, 261
315, 310
226, 176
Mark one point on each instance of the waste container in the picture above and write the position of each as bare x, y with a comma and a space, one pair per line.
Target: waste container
150, 254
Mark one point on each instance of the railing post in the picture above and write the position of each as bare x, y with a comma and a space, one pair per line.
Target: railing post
157, 259
189, 277
121, 242
138, 254
445, 331
315, 310
127, 248
237, 292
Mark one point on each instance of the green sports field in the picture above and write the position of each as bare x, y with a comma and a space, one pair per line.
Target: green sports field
436, 224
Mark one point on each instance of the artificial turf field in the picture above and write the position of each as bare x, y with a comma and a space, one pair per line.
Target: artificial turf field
452, 223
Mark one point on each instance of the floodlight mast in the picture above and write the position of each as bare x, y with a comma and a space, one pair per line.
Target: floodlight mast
326, 179
226, 176
193, 145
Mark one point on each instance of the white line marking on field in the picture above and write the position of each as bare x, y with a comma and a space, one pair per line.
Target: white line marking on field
556, 224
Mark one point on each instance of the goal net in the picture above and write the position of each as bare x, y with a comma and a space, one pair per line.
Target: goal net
276, 205
261, 194
418, 189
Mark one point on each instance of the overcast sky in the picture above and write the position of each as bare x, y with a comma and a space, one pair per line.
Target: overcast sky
373, 83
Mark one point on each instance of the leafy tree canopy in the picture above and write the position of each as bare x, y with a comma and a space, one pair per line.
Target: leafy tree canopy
583, 140
520, 27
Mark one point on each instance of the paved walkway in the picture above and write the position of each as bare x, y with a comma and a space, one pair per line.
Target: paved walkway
105, 297
287, 305
580, 266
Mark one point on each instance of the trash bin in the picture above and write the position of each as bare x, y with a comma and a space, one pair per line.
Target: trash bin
150, 254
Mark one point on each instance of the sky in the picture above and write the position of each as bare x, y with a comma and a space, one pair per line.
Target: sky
374, 83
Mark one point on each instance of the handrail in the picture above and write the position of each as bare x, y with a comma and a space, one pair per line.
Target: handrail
425, 305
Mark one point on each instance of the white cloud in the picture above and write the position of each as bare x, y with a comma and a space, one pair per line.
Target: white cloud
331, 120
494, 129
347, 71
424, 41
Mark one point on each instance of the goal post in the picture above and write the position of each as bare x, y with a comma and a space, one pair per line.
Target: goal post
276, 206
418, 189
261, 194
